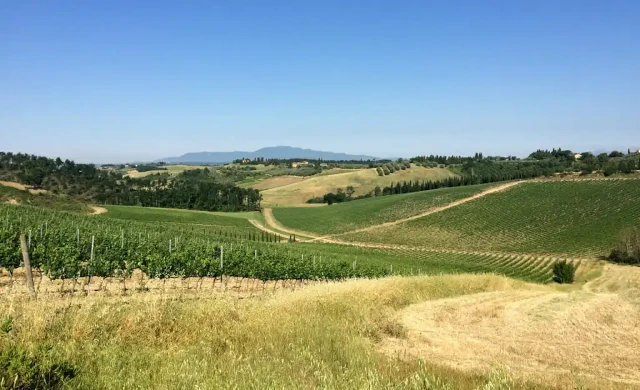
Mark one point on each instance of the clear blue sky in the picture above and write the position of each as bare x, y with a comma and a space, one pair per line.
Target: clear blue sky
134, 80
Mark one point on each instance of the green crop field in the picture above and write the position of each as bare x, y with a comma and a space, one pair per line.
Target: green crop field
343, 217
570, 217
152, 214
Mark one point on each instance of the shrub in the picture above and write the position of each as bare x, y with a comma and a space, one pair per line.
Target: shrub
628, 249
40, 369
564, 272
386, 171
610, 169
6, 325
380, 171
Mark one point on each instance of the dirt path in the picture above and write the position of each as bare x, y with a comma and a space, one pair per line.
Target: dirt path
98, 210
265, 229
492, 190
22, 187
540, 333
273, 223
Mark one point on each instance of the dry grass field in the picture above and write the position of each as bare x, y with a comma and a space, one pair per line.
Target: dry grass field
437, 332
277, 181
363, 181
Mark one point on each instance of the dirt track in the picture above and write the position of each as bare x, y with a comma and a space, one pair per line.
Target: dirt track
273, 223
98, 210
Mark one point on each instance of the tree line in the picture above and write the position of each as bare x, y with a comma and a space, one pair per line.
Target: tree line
198, 189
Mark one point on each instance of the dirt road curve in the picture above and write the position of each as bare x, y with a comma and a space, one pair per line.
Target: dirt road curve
264, 229
274, 224
98, 210
271, 221
434, 210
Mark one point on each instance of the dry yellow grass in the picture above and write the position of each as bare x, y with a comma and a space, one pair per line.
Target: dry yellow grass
345, 335
540, 333
322, 336
363, 181
277, 181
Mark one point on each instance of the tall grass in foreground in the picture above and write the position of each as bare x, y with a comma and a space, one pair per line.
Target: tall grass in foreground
321, 337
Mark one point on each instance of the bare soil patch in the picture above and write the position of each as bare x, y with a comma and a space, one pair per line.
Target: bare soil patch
98, 210
21, 187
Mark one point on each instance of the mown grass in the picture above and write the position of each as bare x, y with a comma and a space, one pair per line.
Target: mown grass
153, 214
570, 217
343, 217
324, 336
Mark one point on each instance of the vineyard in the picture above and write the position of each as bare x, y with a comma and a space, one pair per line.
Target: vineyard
418, 261
566, 217
343, 217
66, 246
153, 214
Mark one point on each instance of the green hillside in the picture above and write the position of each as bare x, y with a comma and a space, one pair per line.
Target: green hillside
151, 214
344, 217
570, 217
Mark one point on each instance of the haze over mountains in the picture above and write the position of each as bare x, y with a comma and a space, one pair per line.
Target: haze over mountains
284, 152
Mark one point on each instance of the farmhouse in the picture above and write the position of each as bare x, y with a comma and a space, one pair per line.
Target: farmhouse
577, 156
299, 164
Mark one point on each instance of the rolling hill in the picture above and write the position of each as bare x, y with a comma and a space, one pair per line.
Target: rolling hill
283, 152
343, 217
562, 217
363, 180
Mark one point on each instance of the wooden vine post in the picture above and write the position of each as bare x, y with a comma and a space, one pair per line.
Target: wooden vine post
27, 264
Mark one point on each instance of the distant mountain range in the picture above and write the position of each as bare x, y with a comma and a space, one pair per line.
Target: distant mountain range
284, 152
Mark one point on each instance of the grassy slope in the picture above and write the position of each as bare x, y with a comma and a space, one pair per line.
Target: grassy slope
45, 200
348, 216
363, 180
324, 336
151, 214
578, 218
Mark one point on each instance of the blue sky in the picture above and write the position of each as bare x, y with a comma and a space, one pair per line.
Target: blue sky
133, 80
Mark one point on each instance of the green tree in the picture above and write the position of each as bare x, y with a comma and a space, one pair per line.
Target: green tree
611, 168
603, 158
350, 191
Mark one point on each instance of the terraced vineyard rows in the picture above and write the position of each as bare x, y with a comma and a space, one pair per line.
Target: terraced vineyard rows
569, 217
343, 217
415, 261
